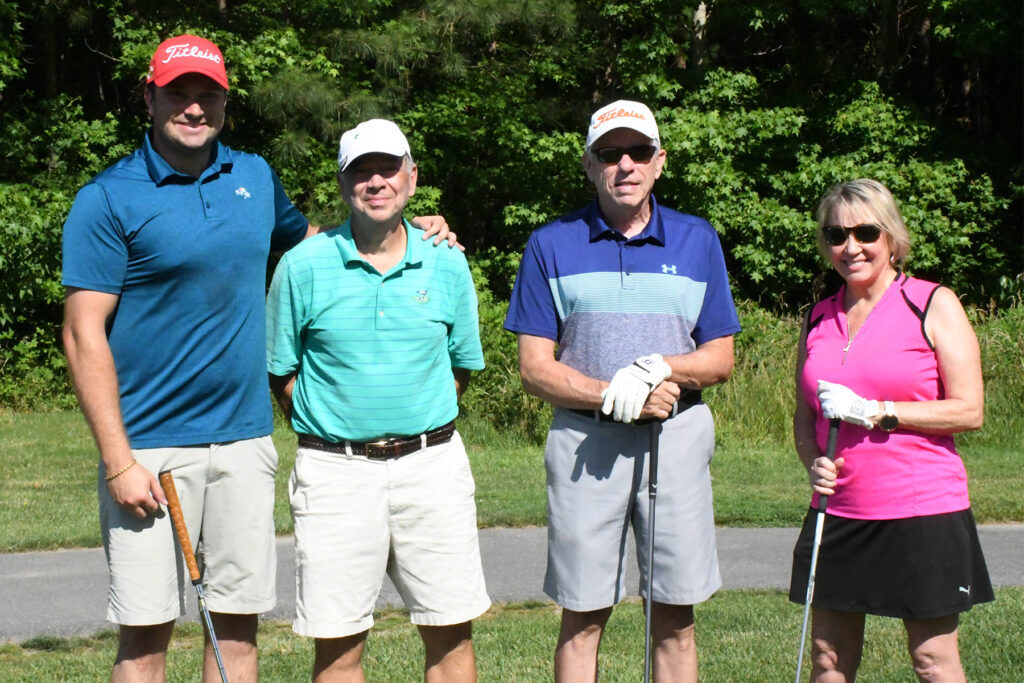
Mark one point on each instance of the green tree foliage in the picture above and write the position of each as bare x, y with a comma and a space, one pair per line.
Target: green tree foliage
763, 105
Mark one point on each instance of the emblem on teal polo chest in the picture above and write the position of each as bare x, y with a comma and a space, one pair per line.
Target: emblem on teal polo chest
421, 296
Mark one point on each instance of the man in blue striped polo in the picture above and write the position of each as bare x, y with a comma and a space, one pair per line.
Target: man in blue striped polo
636, 299
370, 381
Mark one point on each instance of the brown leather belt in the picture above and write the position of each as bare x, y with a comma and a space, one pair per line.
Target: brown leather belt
687, 399
382, 449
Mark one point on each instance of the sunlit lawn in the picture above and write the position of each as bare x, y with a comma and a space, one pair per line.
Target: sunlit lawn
742, 636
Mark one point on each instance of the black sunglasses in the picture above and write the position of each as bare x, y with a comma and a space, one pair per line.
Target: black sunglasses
865, 233
641, 154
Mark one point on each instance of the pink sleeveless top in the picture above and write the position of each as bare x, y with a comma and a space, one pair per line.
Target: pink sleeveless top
886, 475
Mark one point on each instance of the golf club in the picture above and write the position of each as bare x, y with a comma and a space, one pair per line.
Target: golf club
830, 453
181, 531
652, 494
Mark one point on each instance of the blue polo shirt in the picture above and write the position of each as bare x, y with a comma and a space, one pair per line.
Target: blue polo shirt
374, 352
188, 258
607, 300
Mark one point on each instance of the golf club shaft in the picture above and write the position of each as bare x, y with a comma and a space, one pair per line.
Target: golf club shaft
819, 525
652, 495
181, 531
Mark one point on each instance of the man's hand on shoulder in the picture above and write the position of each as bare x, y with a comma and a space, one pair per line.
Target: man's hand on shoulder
436, 227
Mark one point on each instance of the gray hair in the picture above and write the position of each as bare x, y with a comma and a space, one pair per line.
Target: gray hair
874, 197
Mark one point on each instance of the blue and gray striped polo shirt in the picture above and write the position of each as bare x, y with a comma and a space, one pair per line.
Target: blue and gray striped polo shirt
607, 300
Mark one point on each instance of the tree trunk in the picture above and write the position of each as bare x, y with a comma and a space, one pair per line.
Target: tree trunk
698, 44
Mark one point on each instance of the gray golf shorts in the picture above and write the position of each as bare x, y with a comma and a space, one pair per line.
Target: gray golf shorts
597, 492
227, 498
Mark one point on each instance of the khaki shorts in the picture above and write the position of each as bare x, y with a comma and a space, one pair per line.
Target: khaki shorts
227, 497
356, 519
597, 493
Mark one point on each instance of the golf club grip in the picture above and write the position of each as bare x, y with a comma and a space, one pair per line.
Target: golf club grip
178, 520
652, 468
830, 453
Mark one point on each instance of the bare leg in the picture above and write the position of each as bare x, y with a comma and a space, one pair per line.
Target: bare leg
837, 642
339, 660
449, 652
579, 641
142, 654
674, 648
236, 636
935, 649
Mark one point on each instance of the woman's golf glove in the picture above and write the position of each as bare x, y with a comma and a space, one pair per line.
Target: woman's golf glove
839, 401
625, 397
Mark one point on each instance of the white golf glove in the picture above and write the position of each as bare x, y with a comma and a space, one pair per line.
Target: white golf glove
625, 397
839, 401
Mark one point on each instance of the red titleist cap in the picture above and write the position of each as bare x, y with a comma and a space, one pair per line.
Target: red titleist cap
186, 54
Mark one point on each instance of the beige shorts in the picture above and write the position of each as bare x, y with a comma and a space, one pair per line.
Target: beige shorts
413, 518
227, 497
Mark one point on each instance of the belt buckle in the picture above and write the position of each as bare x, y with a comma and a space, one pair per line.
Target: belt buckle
379, 449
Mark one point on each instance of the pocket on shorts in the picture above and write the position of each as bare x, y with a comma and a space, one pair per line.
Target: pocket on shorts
296, 483
454, 462
268, 454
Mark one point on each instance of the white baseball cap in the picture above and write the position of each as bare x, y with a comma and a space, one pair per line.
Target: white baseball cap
623, 114
376, 136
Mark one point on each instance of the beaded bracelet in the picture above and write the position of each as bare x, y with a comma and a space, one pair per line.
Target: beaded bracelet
120, 471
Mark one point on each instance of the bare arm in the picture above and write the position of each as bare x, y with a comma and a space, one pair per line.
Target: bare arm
462, 376
555, 382
710, 363
95, 380
959, 358
561, 385
282, 386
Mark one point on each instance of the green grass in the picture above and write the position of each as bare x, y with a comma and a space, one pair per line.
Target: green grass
48, 482
742, 636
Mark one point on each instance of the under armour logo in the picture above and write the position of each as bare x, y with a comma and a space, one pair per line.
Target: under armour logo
243, 193
668, 269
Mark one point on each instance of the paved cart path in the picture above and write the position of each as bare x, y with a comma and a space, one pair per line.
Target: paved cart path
63, 592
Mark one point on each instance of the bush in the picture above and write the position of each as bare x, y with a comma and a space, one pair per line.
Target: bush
32, 371
496, 394
1001, 337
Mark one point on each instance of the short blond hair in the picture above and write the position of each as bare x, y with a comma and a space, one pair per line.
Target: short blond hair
876, 198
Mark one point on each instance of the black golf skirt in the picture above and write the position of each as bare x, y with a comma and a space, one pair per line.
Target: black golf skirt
913, 568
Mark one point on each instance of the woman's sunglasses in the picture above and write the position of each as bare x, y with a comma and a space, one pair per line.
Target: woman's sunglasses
836, 235
641, 154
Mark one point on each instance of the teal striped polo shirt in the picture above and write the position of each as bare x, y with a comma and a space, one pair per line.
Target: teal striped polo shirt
374, 353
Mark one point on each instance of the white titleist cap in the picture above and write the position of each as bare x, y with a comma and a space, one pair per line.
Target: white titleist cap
376, 136
623, 114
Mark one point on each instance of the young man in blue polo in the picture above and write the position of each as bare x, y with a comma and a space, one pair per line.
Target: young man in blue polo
165, 257
371, 382
636, 298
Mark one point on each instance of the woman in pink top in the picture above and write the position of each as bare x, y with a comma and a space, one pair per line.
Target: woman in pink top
896, 360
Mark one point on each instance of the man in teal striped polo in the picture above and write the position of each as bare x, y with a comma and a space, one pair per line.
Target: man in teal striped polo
371, 337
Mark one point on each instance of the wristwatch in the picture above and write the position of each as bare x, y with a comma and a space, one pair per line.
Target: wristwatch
889, 421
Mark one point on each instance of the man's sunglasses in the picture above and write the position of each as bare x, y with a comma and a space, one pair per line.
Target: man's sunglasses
641, 154
836, 235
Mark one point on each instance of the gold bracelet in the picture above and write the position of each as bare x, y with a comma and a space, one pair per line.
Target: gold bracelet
120, 471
